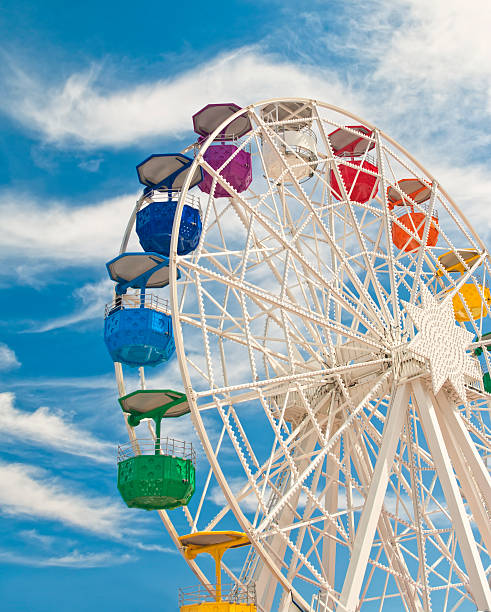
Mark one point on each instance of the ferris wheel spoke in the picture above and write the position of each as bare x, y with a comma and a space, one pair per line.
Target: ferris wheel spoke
331, 502
469, 467
256, 300
469, 488
288, 291
272, 300
477, 577
390, 545
368, 266
302, 527
305, 200
424, 241
237, 338
359, 237
373, 503
296, 485
206, 485
386, 228
313, 275
266, 584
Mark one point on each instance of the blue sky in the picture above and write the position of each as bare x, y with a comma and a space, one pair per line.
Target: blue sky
88, 91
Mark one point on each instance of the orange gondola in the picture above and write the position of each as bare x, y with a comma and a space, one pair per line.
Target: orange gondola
415, 222
418, 191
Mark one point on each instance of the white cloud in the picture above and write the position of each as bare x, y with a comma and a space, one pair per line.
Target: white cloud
92, 383
39, 539
156, 548
61, 233
74, 559
407, 55
469, 186
26, 490
90, 300
8, 358
79, 111
91, 165
50, 429
248, 504
414, 59
439, 44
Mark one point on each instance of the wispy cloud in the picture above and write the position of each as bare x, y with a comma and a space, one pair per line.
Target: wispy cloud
26, 490
50, 429
40, 539
92, 383
70, 236
8, 358
156, 548
393, 69
248, 504
403, 55
91, 165
79, 111
439, 44
74, 559
89, 300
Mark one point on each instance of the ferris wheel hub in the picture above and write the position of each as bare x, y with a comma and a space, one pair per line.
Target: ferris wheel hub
443, 343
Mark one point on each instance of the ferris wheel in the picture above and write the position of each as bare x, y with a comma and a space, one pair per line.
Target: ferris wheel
329, 310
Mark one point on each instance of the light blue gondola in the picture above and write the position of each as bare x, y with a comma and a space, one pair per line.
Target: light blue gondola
138, 328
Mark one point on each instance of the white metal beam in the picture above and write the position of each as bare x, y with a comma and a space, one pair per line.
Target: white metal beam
478, 584
373, 503
408, 592
465, 473
266, 582
331, 501
448, 410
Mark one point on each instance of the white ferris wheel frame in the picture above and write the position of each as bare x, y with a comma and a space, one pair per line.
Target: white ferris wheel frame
440, 419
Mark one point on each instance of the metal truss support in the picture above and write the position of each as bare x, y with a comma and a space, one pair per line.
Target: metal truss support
478, 584
374, 501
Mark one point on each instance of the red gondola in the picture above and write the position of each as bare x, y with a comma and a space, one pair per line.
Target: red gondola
350, 142
360, 185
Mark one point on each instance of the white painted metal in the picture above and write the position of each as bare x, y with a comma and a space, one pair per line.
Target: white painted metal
478, 583
295, 348
374, 500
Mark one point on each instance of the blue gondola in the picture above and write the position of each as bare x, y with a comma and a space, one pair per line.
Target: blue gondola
154, 227
167, 173
138, 336
138, 327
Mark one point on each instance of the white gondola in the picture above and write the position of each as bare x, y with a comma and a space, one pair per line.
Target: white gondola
289, 147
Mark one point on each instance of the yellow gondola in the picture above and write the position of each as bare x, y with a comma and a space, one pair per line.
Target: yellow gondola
226, 598
450, 261
475, 296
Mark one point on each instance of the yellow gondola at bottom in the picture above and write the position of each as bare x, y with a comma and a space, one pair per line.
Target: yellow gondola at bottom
472, 297
219, 597
218, 606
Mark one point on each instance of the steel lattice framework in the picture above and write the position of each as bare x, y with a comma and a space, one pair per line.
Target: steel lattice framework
360, 483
